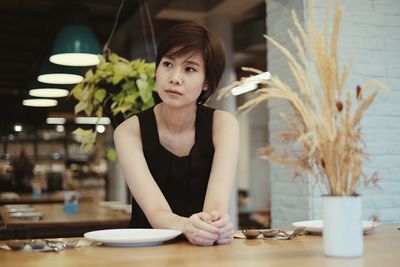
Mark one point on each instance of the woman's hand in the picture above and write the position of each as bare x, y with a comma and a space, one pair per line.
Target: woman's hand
225, 226
200, 230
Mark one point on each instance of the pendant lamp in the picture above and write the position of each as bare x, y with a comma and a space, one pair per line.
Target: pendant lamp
38, 89
58, 74
76, 45
33, 101
39, 102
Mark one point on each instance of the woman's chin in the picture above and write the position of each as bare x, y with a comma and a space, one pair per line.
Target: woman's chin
177, 103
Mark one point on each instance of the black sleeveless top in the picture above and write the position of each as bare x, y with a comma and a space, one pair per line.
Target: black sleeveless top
182, 180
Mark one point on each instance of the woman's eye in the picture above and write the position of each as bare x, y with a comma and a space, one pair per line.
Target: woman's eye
189, 69
167, 64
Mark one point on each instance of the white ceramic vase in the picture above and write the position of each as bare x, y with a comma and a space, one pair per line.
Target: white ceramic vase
342, 231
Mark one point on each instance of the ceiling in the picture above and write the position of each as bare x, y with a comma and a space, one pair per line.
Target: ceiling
28, 28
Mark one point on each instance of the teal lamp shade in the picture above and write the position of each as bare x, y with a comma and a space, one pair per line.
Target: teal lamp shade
38, 89
58, 74
76, 45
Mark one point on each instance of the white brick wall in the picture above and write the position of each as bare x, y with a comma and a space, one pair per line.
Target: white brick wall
370, 33
289, 200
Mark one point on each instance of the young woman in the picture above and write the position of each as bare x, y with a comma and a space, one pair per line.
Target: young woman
179, 157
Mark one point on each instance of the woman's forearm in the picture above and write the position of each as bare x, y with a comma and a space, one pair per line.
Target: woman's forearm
164, 219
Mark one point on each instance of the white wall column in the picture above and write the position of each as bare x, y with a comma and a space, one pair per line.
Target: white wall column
116, 185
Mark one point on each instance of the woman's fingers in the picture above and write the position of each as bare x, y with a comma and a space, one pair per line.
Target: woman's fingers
227, 228
204, 216
222, 241
226, 235
223, 220
199, 232
199, 240
199, 223
205, 229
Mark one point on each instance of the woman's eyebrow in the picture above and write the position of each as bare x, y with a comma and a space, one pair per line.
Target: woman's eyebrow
193, 62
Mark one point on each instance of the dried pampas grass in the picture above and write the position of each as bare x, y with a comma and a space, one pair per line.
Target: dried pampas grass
327, 115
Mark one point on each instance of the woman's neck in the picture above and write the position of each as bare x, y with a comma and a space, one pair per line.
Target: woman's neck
176, 120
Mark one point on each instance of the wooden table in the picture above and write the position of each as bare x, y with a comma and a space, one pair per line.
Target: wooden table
56, 222
28, 198
381, 248
55, 197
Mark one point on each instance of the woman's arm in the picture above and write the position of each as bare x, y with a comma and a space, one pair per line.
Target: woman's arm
146, 191
218, 196
226, 145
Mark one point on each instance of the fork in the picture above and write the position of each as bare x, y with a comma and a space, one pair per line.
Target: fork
55, 245
297, 232
60, 245
71, 244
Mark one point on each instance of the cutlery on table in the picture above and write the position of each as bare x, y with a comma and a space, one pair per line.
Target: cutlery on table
271, 233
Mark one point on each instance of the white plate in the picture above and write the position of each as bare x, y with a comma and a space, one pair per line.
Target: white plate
36, 215
132, 237
16, 206
316, 226
21, 209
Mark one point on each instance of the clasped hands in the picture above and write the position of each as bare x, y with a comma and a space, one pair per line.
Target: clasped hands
209, 228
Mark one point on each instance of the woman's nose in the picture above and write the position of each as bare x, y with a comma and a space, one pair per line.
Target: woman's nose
175, 79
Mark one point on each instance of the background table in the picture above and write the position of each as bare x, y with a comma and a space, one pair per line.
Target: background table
54, 197
56, 223
28, 198
381, 249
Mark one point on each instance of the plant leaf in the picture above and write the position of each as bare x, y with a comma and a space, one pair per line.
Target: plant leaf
132, 98
99, 112
144, 91
77, 91
100, 94
112, 154
88, 109
80, 106
113, 58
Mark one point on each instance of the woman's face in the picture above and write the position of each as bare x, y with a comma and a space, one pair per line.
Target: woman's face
180, 80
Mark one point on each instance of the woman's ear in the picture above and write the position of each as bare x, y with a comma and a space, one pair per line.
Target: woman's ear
205, 86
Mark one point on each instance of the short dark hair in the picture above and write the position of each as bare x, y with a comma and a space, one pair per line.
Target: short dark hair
192, 38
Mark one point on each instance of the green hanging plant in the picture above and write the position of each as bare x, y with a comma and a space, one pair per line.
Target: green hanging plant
115, 87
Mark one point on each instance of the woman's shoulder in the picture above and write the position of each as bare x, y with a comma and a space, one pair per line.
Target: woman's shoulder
224, 123
225, 128
224, 117
128, 127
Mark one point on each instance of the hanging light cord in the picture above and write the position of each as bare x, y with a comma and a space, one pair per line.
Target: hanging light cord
105, 48
150, 22
144, 6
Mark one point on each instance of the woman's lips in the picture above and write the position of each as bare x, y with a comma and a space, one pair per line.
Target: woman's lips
173, 92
